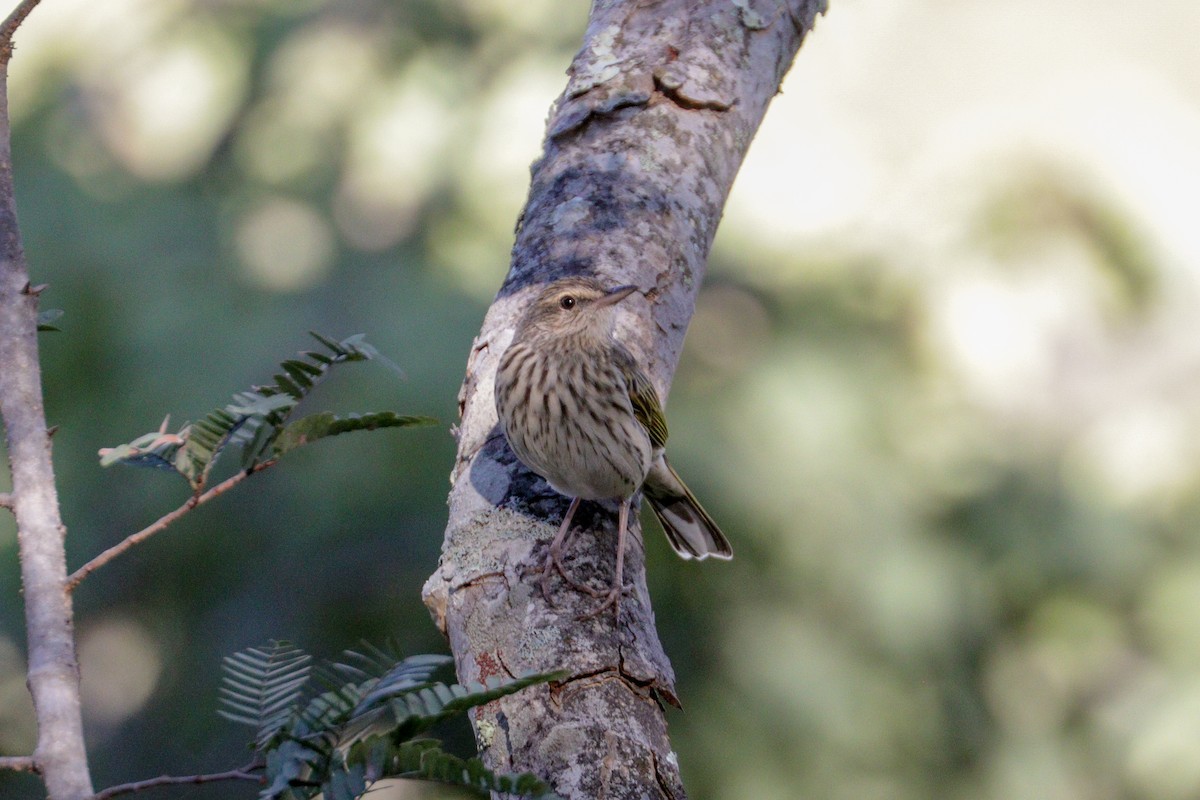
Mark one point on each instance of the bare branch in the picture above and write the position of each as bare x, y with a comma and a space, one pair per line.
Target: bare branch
19, 764
10, 25
243, 774
53, 675
161, 524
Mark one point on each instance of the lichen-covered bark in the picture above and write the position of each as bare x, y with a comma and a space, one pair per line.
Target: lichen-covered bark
640, 153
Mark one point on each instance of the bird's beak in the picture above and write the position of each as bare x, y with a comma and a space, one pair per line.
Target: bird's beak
614, 296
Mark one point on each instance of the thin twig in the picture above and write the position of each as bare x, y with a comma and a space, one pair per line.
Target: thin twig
10, 25
243, 774
7, 501
108, 555
19, 764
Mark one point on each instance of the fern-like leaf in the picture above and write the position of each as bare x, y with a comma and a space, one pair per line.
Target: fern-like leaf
257, 420
424, 759
205, 441
319, 426
156, 450
417, 709
262, 687
373, 662
289, 766
340, 741
398, 677
356, 708
434, 764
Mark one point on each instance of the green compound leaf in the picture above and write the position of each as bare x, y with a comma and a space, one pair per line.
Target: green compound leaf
257, 421
262, 687
319, 426
362, 727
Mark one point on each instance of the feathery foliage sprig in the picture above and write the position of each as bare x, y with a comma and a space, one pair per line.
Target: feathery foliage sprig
259, 420
362, 725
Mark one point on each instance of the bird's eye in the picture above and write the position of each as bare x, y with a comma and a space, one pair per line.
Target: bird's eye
567, 302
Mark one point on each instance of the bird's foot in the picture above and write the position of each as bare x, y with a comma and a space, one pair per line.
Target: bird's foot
612, 598
554, 564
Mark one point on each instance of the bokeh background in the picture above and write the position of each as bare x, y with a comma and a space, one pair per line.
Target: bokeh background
942, 387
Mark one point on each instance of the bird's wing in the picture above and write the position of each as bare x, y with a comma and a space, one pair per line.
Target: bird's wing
645, 403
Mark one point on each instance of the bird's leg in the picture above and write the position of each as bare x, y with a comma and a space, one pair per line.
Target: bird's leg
618, 585
556, 550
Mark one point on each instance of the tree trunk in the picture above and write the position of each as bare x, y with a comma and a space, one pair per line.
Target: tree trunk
640, 152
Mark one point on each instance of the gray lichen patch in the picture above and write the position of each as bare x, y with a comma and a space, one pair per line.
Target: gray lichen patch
753, 20
599, 62
490, 542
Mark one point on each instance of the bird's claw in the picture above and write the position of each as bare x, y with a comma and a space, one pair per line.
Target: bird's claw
611, 598
554, 564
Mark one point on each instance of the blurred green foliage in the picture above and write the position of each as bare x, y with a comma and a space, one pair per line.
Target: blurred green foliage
957, 460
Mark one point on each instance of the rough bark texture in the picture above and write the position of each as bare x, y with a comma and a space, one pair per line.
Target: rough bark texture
640, 153
53, 671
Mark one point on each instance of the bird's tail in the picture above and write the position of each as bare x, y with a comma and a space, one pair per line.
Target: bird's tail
689, 528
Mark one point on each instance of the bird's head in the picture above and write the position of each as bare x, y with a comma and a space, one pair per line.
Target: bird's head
573, 307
